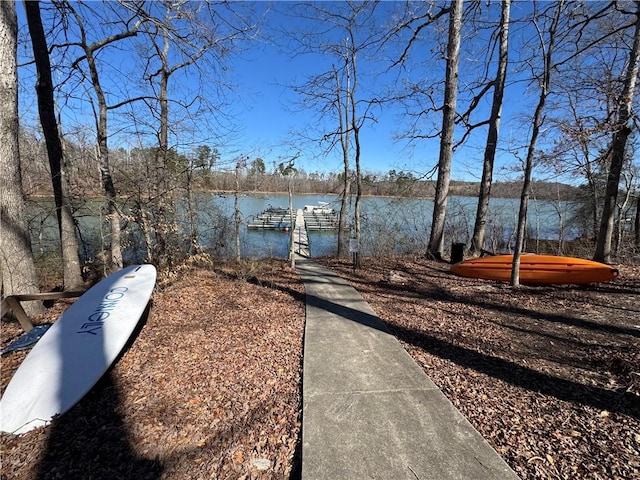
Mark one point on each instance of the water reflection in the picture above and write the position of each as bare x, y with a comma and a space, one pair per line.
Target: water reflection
388, 225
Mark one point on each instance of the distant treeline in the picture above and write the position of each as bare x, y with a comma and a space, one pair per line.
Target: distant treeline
134, 170
382, 186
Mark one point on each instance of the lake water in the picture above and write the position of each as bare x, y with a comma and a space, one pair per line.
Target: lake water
388, 225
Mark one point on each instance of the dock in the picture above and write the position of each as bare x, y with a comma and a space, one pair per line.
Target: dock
271, 219
316, 218
320, 219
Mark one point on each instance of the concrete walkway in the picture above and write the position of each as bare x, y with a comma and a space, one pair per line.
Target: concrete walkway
369, 411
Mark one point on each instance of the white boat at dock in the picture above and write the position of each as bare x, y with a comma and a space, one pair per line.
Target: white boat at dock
321, 207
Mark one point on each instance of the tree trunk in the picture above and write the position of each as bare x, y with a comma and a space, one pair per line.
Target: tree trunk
623, 129
145, 226
356, 139
620, 219
236, 210
346, 184
538, 120
478, 239
162, 185
292, 252
636, 223
194, 246
436, 239
115, 259
593, 205
16, 257
44, 88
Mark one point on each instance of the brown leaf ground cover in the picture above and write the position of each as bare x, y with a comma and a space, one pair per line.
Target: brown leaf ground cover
210, 388
549, 375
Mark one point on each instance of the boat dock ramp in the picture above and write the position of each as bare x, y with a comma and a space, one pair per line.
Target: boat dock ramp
300, 238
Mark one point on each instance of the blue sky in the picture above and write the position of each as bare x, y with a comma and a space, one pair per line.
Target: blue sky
270, 113
267, 112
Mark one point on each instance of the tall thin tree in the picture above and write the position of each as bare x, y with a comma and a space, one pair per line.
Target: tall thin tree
547, 45
17, 265
90, 53
46, 105
187, 38
334, 93
479, 230
355, 129
436, 238
342, 111
618, 148
240, 164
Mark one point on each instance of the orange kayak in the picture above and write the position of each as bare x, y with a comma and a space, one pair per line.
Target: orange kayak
537, 269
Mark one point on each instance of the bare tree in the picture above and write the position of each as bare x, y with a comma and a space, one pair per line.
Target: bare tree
342, 111
579, 135
623, 129
436, 238
17, 265
90, 51
44, 87
547, 45
355, 128
623, 207
289, 170
588, 85
349, 127
193, 37
636, 222
477, 241
335, 93
240, 165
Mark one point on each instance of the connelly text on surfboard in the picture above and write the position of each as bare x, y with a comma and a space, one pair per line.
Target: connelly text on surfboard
95, 321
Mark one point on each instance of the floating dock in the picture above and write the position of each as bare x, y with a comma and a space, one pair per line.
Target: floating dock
316, 218
320, 220
271, 219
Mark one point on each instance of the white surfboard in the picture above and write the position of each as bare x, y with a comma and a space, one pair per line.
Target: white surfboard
77, 350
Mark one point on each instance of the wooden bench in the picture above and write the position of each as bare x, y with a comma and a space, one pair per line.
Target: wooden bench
12, 304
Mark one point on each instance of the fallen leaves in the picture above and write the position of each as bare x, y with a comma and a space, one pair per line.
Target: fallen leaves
209, 389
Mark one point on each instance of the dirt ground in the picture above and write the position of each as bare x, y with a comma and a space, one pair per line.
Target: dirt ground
211, 386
